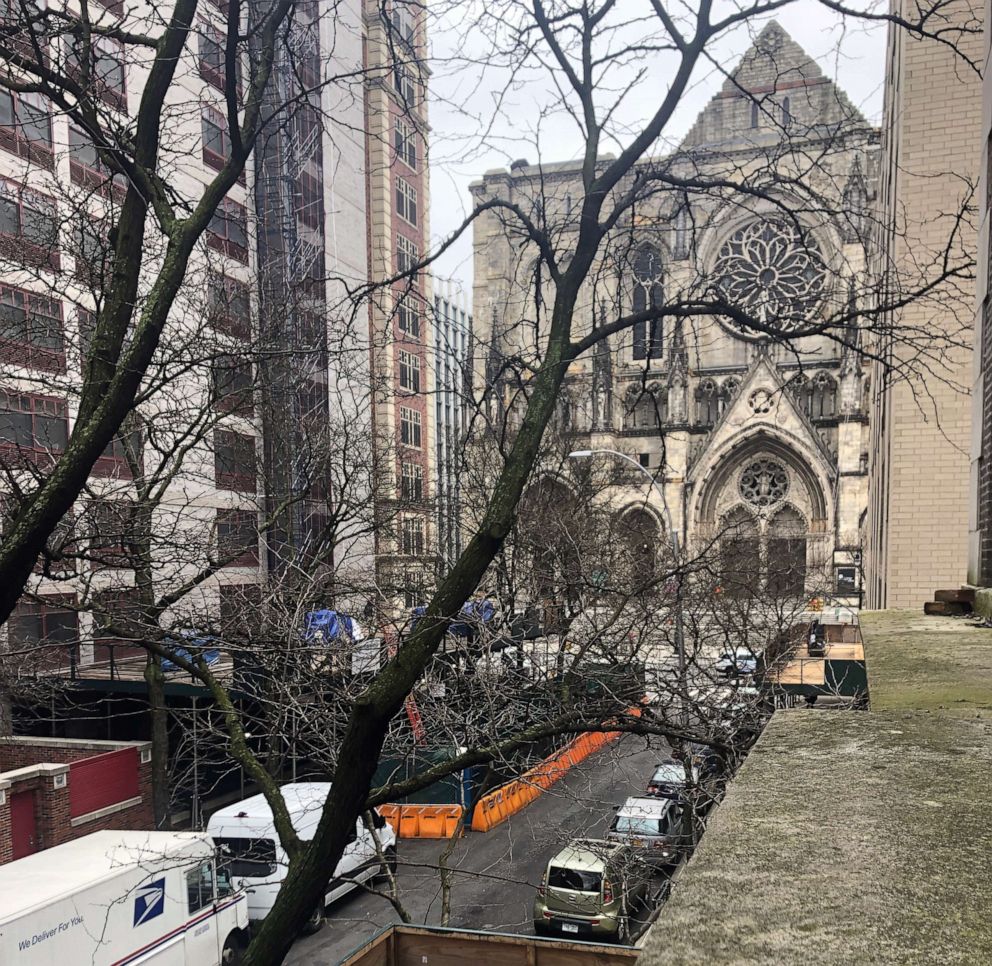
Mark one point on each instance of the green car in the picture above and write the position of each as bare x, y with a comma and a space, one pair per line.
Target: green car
589, 890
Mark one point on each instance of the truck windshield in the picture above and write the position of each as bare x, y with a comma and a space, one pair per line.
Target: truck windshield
248, 857
576, 880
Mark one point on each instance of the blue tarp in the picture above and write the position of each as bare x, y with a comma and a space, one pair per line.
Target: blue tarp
211, 655
473, 612
325, 626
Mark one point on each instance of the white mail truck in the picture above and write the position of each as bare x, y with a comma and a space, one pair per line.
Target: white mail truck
245, 834
122, 899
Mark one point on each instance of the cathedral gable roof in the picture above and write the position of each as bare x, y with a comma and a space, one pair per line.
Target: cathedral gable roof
775, 88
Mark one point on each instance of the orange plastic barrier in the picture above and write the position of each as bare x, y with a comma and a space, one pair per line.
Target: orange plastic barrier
422, 821
508, 799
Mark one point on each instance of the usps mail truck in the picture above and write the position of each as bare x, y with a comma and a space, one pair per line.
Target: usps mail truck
245, 834
122, 899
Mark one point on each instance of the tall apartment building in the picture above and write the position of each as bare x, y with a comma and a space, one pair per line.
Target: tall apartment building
396, 128
916, 528
263, 292
452, 332
980, 502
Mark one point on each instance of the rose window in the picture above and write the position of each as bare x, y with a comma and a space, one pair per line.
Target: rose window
763, 483
772, 271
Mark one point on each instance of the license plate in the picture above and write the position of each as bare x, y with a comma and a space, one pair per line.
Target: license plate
569, 927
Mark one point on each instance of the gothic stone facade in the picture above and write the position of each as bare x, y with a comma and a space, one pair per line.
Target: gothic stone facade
738, 429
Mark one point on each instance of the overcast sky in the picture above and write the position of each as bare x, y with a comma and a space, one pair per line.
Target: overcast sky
470, 133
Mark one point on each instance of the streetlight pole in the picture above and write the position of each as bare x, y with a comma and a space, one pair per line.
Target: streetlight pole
673, 534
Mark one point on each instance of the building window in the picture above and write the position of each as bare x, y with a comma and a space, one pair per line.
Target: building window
408, 318
406, 201
86, 168
309, 200
213, 59
44, 634
234, 461
409, 372
405, 142
405, 85
29, 226
649, 334
407, 255
228, 230
412, 482
237, 538
410, 426
823, 397
229, 306
26, 127
106, 69
412, 533
109, 532
755, 115
91, 252
121, 456
680, 243
31, 424
401, 22
216, 139
31, 331
787, 117
231, 385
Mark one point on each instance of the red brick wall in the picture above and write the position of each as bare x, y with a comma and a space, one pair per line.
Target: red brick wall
54, 826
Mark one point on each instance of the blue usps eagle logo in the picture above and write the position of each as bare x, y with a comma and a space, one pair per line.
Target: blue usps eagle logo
149, 901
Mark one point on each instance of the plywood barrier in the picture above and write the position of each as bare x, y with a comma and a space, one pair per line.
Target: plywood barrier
413, 945
422, 821
508, 799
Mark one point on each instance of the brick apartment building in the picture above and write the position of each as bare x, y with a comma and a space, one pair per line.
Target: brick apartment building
398, 205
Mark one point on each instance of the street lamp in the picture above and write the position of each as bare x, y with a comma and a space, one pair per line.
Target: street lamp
673, 534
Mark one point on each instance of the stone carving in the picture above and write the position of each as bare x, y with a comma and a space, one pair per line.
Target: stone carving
763, 483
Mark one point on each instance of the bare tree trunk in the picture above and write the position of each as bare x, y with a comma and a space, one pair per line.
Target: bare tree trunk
159, 713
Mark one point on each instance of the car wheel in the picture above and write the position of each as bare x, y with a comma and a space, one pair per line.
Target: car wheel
234, 950
315, 920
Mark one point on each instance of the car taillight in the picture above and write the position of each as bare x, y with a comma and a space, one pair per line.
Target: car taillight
607, 891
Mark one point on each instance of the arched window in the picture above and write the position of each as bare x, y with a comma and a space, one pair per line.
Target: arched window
648, 336
707, 403
645, 408
680, 247
786, 112
823, 397
727, 392
787, 553
800, 389
755, 115
740, 553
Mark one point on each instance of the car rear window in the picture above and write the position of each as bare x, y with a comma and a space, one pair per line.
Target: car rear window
637, 825
577, 880
248, 857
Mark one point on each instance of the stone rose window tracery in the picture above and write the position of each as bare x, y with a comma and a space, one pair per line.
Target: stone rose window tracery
763, 483
773, 271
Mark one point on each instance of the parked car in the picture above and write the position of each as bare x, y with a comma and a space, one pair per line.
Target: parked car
737, 663
668, 780
590, 889
658, 828
245, 835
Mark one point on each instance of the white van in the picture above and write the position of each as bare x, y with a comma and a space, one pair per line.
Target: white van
122, 898
246, 837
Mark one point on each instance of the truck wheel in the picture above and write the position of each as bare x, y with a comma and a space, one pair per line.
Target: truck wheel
234, 949
315, 921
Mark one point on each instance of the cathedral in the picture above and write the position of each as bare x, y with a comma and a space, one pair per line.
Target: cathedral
737, 427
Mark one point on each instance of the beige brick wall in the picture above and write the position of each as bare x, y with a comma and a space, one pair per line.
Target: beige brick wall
916, 537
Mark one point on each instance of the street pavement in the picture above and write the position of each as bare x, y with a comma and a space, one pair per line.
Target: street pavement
494, 873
